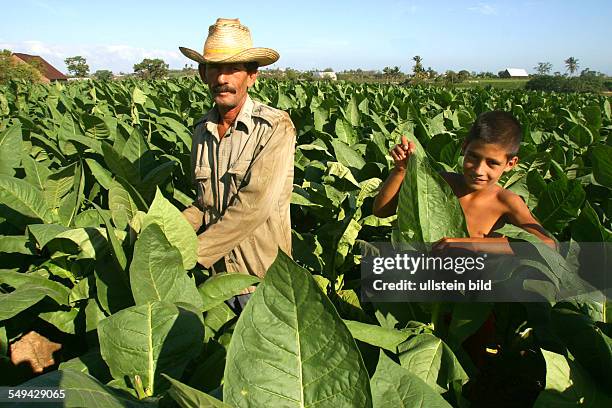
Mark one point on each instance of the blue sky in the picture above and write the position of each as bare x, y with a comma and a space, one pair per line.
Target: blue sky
472, 35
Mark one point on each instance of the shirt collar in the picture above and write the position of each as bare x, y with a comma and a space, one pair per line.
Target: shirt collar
244, 116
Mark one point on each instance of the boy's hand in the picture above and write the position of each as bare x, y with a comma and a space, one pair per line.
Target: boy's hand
401, 152
494, 245
449, 245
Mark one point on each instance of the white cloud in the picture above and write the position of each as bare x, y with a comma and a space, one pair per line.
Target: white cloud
484, 8
115, 57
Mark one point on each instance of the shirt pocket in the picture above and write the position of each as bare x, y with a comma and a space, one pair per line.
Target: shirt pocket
204, 186
239, 172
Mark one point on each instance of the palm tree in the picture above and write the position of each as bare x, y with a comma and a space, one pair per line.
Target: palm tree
572, 65
418, 64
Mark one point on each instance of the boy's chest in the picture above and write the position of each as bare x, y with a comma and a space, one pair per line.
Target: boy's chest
482, 216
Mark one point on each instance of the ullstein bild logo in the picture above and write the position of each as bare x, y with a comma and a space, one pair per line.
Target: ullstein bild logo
432, 285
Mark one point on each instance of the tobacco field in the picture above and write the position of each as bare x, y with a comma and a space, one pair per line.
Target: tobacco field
96, 257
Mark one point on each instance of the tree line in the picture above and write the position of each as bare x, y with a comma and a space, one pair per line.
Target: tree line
156, 68
148, 68
77, 67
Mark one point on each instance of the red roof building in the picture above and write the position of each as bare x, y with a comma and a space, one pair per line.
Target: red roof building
48, 71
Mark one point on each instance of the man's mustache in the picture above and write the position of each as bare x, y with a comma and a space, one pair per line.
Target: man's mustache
223, 88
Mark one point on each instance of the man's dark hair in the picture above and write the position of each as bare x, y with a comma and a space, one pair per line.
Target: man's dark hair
251, 67
497, 127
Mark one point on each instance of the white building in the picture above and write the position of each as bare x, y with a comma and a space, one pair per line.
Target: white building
325, 75
515, 73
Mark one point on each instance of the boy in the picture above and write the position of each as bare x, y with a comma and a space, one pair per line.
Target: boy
489, 150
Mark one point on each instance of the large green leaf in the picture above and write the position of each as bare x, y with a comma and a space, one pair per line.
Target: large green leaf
585, 340
15, 302
428, 210
71, 203
223, 286
10, 149
216, 319
178, 129
346, 155
157, 273
19, 280
559, 204
58, 184
188, 397
122, 206
175, 227
467, 318
89, 363
112, 285
115, 245
82, 390
352, 114
16, 244
383, 337
136, 151
341, 172
102, 176
95, 127
157, 176
118, 165
86, 243
36, 173
65, 320
587, 227
149, 339
23, 198
601, 156
30, 289
345, 132
567, 385
394, 386
432, 360
290, 348
44, 233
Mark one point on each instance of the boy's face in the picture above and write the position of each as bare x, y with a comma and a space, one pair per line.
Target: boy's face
484, 163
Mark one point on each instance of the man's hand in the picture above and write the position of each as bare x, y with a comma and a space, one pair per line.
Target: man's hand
401, 152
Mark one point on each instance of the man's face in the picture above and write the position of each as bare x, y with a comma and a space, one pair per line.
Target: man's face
484, 163
228, 83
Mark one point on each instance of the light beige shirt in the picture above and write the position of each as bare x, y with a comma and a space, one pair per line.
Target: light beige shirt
244, 183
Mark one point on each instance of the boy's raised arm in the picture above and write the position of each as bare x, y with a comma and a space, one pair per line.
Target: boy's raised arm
385, 203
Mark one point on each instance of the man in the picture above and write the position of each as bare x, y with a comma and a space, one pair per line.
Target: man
242, 160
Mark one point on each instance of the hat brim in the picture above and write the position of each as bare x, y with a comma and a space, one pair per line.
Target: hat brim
263, 56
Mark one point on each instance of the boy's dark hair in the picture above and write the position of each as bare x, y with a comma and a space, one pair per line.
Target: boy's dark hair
497, 127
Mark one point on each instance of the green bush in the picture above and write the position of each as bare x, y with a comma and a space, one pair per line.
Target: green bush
11, 69
589, 82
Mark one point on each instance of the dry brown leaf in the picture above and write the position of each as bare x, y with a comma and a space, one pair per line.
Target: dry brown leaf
34, 349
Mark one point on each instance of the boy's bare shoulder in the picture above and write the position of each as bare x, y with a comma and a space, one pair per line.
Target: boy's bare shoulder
507, 196
512, 201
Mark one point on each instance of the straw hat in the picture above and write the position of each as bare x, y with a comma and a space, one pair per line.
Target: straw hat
228, 41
